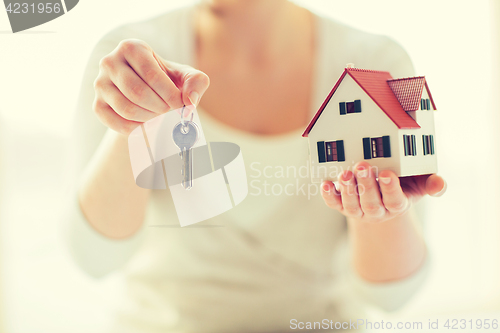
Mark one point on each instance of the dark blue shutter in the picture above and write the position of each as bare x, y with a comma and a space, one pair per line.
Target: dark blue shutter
410, 150
432, 144
367, 148
342, 107
428, 104
414, 145
425, 144
386, 141
422, 104
406, 139
340, 151
321, 152
405, 145
410, 143
357, 105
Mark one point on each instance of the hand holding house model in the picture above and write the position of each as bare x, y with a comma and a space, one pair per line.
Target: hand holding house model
371, 116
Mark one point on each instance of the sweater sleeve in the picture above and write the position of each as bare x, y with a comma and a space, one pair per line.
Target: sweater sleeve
389, 296
94, 253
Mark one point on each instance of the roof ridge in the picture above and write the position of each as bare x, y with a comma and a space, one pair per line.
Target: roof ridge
364, 70
407, 78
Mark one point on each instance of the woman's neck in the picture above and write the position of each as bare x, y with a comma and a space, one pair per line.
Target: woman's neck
254, 31
259, 55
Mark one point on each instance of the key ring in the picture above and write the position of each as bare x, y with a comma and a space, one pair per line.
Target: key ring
184, 123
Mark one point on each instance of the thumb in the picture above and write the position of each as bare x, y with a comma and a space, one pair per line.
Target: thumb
435, 186
191, 82
194, 85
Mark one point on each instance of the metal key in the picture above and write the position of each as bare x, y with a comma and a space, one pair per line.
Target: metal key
185, 136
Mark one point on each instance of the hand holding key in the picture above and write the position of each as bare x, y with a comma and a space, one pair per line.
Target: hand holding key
135, 85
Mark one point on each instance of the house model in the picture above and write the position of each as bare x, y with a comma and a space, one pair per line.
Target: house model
371, 116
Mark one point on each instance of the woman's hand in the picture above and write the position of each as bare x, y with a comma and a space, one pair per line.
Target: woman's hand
135, 85
361, 197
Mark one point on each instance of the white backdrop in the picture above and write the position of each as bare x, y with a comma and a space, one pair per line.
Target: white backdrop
450, 43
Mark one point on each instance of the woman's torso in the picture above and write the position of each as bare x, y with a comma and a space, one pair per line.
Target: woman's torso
271, 258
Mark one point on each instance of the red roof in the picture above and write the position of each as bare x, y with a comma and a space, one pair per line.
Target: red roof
376, 84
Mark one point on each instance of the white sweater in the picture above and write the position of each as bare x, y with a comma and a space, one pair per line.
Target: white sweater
272, 258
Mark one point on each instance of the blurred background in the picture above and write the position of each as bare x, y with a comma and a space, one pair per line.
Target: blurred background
455, 44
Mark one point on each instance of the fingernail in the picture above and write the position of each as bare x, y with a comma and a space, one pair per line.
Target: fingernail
347, 181
440, 193
194, 98
362, 172
326, 187
385, 180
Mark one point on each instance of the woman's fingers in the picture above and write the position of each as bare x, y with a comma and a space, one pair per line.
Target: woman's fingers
136, 84
369, 192
361, 195
125, 108
141, 58
112, 120
136, 90
393, 197
349, 194
331, 195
